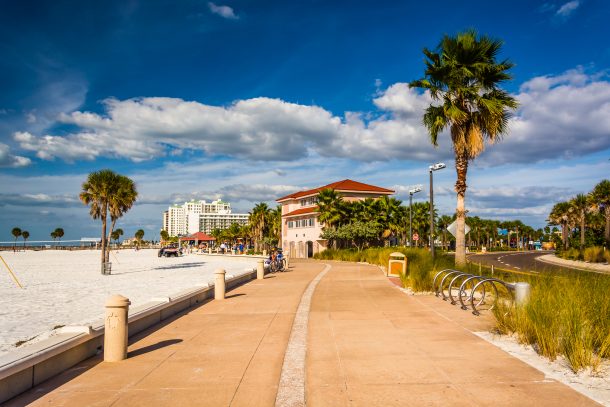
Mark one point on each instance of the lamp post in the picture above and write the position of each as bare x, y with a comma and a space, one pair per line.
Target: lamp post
411, 192
432, 168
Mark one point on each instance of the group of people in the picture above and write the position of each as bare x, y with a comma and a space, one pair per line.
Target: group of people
235, 249
275, 261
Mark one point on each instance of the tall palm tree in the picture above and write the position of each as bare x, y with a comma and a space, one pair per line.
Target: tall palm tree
464, 76
258, 222
579, 206
15, 232
53, 235
139, 235
120, 202
601, 198
59, 233
97, 192
25, 234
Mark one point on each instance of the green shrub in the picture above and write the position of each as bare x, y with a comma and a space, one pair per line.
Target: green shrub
594, 254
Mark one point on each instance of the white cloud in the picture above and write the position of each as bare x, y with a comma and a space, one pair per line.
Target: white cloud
560, 116
10, 160
563, 116
223, 11
568, 8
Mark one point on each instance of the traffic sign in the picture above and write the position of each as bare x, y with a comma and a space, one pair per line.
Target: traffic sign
415, 236
452, 228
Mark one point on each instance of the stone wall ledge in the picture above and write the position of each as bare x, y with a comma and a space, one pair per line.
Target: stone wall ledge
26, 367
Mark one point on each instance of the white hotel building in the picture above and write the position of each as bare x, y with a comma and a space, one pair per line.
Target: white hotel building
200, 216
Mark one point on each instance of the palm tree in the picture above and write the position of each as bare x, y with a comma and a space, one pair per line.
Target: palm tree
25, 234
116, 235
59, 233
258, 222
139, 235
329, 202
164, 235
579, 206
464, 76
53, 235
15, 232
97, 192
443, 222
120, 202
601, 198
275, 224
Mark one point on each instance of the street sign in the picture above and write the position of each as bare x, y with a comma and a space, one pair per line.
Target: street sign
415, 237
452, 228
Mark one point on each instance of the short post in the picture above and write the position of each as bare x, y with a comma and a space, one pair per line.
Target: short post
479, 268
219, 286
260, 269
115, 332
264, 252
522, 293
209, 250
492, 270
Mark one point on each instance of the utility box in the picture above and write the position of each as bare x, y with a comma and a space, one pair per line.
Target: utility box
397, 265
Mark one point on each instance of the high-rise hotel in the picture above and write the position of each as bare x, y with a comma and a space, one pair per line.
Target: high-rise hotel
200, 216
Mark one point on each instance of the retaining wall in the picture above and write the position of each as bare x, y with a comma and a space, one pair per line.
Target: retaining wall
27, 367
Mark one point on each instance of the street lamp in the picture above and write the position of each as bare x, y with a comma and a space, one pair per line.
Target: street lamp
432, 168
411, 192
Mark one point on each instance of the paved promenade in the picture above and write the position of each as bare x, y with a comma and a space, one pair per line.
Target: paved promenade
368, 344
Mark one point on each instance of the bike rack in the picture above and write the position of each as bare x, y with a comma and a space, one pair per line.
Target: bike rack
473, 289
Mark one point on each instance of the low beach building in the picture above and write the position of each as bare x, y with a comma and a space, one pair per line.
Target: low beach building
200, 216
301, 229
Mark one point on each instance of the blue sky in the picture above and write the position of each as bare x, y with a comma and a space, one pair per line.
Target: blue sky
251, 100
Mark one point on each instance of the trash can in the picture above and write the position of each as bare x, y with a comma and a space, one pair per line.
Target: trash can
108, 268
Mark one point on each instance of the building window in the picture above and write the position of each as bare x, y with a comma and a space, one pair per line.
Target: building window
290, 225
311, 222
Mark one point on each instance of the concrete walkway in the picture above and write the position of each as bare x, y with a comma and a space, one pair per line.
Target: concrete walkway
368, 344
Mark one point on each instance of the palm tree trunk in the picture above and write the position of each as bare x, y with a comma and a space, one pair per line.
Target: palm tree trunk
107, 257
607, 229
582, 233
461, 168
103, 242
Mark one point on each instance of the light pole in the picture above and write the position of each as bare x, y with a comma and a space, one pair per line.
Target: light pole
411, 192
432, 168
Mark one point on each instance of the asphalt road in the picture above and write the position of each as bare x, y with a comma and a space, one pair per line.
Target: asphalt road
518, 261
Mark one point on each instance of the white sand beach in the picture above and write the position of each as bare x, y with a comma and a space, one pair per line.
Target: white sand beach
67, 288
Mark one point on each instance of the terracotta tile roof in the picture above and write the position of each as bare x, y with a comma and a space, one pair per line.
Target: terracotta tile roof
347, 185
202, 237
302, 211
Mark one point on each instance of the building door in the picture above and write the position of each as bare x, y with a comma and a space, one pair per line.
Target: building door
310, 249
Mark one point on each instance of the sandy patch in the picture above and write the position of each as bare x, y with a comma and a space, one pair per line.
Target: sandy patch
67, 288
595, 385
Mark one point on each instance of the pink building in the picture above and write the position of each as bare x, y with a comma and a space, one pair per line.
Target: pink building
300, 227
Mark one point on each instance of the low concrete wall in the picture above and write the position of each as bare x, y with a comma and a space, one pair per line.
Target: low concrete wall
27, 367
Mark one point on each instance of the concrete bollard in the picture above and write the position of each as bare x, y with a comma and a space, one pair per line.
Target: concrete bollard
522, 293
264, 252
219, 285
260, 269
209, 250
115, 333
